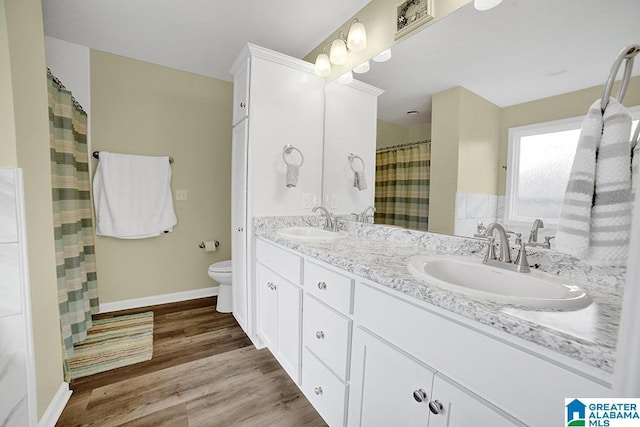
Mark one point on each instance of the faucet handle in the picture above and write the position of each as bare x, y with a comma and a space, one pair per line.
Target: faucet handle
518, 240
521, 261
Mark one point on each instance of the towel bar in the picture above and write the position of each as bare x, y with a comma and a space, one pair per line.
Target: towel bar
627, 54
352, 157
96, 155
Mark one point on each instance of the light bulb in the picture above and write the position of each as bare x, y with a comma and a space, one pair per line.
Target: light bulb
338, 54
323, 66
362, 68
357, 39
485, 4
383, 56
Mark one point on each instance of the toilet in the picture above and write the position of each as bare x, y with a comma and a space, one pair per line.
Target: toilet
221, 273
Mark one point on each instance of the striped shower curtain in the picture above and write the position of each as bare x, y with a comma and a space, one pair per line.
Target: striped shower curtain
402, 185
72, 216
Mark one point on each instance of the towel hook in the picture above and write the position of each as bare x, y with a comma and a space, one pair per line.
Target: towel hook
287, 149
353, 157
627, 54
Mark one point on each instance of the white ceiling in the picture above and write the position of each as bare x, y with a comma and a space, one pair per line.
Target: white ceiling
200, 36
520, 51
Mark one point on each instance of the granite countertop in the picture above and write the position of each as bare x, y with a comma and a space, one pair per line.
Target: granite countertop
380, 254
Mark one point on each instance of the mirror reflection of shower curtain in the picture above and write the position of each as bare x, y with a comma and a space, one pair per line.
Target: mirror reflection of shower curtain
72, 217
402, 185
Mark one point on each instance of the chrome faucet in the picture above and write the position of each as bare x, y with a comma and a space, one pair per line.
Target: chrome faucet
533, 236
330, 222
521, 264
505, 251
365, 213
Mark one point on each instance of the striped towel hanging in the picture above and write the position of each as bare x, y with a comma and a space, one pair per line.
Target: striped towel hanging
595, 218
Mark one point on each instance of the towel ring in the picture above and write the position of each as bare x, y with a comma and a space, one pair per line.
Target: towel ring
287, 149
353, 157
627, 54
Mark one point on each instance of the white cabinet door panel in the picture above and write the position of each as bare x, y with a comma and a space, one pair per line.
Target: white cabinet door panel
267, 284
384, 381
325, 392
238, 225
289, 313
461, 408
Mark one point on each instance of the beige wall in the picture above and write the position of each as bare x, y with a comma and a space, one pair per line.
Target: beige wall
28, 77
8, 155
445, 134
420, 133
464, 152
478, 145
141, 108
389, 134
558, 107
379, 18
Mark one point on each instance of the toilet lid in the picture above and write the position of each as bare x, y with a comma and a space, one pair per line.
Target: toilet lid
221, 267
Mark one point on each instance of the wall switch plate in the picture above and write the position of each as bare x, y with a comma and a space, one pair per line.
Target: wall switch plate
307, 201
181, 194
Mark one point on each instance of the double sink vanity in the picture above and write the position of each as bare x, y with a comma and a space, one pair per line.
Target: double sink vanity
386, 326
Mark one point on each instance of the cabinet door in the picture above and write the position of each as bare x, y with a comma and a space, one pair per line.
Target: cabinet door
289, 315
388, 387
267, 290
239, 223
458, 407
241, 93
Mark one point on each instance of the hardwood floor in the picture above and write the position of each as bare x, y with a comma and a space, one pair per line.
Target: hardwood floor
204, 372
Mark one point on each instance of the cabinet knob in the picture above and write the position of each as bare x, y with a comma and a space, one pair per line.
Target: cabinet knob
436, 407
322, 285
318, 391
319, 335
420, 395
243, 104
270, 285
240, 229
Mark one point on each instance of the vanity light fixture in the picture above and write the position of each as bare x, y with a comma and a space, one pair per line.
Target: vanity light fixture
355, 41
485, 4
362, 68
383, 56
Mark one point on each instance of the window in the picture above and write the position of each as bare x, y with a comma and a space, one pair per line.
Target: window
540, 159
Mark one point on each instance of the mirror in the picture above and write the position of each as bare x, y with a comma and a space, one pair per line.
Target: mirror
525, 61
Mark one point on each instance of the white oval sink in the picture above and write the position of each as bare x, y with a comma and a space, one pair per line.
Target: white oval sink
470, 276
311, 233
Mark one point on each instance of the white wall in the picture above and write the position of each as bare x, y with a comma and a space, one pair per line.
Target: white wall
69, 62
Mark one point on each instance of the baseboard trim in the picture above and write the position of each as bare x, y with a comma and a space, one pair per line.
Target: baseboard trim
56, 406
158, 299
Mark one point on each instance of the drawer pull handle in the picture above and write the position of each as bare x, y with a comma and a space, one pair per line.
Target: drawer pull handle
322, 285
420, 395
436, 407
318, 391
319, 335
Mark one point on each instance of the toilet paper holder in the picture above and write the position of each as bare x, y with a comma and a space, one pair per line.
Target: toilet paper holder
202, 245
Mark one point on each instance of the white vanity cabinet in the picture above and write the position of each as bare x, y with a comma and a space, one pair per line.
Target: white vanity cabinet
326, 339
278, 101
391, 387
279, 305
351, 113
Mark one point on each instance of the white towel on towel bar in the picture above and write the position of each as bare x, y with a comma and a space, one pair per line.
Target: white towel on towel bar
595, 220
132, 196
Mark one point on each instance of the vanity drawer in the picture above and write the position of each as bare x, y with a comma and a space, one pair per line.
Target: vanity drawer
283, 262
328, 286
325, 392
327, 334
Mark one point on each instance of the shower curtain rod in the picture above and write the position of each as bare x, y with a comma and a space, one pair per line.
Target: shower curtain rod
96, 155
406, 145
